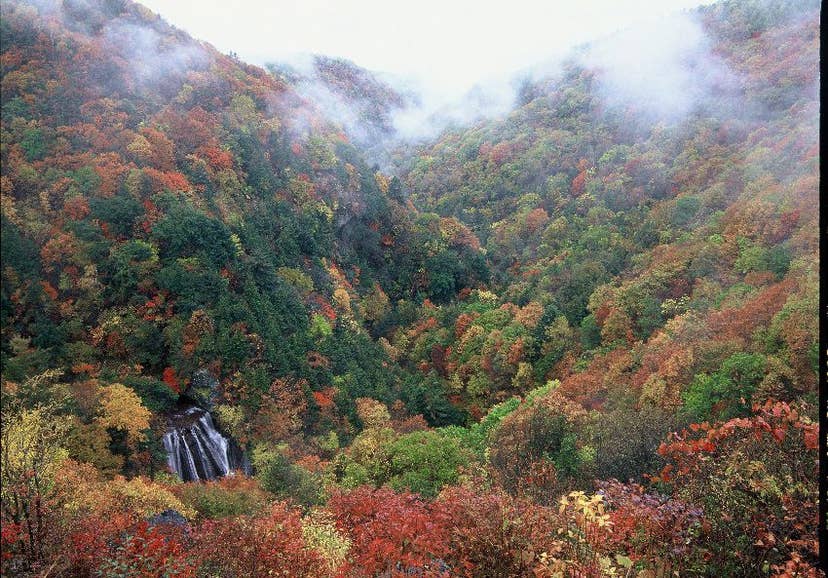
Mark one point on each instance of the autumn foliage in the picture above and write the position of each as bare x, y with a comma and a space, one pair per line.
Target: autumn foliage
578, 339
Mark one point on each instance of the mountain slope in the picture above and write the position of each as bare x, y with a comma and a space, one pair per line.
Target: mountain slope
597, 222
167, 208
442, 373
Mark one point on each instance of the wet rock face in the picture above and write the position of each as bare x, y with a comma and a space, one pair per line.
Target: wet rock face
196, 450
203, 389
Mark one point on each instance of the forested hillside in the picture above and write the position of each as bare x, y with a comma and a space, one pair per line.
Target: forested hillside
577, 340
608, 232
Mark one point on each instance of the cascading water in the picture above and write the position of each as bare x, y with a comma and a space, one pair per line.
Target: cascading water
196, 450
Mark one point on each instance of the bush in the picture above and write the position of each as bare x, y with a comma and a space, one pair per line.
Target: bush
425, 461
286, 480
727, 392
234, 495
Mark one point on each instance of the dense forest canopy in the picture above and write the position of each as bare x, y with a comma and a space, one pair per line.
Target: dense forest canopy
576, 339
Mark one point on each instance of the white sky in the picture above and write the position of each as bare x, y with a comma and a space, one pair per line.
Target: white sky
447, 43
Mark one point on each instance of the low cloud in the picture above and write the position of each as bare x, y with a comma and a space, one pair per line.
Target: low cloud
435, 110
152, 50
664, 67
152, 57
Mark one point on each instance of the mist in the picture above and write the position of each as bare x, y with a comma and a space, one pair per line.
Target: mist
662, 66
436, 110
133, 37
665, 69
461, 61
151, 58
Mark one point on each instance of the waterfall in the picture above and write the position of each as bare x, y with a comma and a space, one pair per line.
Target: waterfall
196, 450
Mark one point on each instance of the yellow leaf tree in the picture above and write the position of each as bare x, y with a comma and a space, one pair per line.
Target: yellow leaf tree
30, 453
122, 409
